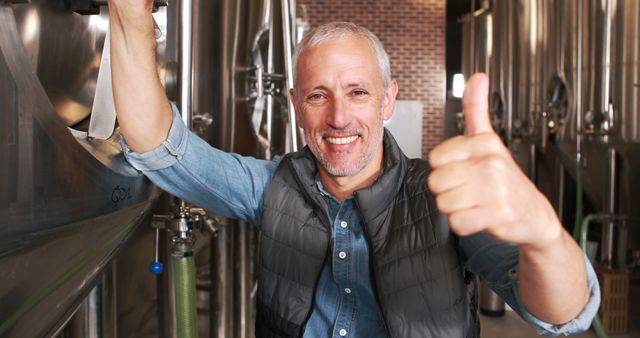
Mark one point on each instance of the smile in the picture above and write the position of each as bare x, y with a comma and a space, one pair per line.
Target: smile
341, 140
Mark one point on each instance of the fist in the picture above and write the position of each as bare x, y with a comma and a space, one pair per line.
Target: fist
479, 186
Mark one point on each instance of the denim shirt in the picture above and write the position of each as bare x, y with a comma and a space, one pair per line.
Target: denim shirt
344, 306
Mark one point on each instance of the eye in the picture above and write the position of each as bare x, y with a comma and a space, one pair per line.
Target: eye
359, 92
315, 97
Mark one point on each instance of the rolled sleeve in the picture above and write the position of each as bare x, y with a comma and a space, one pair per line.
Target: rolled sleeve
164, 155
496, 263
579, 324
187, 167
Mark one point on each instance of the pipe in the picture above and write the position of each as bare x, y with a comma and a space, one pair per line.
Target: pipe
244, 282
561, 182
185, 60
96, 316
606, 71
597, 323
271, 70
288, 61
578, 88
184, 274
578, 217
533, 172
608, 231
578, 221
472, 40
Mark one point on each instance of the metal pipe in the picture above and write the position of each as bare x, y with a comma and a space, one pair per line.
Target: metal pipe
244, 280
561, 182
222, 258
606, 71
608, 227
584, 228
509, 88
472, 39
532, 162
578, 88
185, 60
96, 316
288, 61
271, 70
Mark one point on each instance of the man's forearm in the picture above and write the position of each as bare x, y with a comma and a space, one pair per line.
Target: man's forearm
144, 113
553, 279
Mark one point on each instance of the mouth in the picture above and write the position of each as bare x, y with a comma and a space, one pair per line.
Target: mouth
341, 140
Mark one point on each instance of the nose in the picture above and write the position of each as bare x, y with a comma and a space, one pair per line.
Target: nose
338, 116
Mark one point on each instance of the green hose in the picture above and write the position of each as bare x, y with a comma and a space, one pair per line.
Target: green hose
583, 230
580, 229
184, 275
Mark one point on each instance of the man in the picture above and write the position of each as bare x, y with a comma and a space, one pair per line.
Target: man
355, 240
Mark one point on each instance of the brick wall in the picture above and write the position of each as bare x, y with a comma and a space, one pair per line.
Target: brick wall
413, 33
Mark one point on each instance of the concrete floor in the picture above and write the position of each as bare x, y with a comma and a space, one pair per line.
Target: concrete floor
511, 326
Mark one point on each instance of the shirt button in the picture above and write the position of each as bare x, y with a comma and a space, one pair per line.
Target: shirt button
342, 255
343, 224
342, 332
347, 290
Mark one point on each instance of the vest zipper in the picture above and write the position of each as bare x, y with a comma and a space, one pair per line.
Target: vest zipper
372, 272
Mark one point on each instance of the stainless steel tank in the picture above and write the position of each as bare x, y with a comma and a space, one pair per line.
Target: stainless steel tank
625, 69
527, 62
572, 70
68, 202
236, 99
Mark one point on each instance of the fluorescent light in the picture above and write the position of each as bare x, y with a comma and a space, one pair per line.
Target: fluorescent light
458, 85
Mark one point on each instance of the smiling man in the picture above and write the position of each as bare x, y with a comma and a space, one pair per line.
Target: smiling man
356, 239
341, 101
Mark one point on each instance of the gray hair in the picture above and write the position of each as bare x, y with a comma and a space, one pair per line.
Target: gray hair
340, 29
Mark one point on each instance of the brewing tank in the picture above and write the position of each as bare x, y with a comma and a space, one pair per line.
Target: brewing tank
568, 78
68, 201
625, 70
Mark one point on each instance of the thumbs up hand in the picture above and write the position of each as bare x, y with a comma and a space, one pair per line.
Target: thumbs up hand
479, 186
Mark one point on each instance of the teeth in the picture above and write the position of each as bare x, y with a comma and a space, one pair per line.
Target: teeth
342, 140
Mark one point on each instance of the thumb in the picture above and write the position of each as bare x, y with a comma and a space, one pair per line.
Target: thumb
475, 104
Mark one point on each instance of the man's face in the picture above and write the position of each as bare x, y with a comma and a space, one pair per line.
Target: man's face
341, 104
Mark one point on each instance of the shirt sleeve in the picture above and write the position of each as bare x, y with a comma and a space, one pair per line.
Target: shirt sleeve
186, 166
496, 263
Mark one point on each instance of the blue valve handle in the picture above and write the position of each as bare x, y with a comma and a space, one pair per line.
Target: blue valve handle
156, 268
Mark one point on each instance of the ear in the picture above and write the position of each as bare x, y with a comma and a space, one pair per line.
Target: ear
389, 103
292, 97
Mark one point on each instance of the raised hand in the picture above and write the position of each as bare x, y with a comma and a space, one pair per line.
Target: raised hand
479, 186
144, 113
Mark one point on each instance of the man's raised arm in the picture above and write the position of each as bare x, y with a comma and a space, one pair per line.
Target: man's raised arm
481, 188
143, 110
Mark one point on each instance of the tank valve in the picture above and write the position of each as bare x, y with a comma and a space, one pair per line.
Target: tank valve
156, 267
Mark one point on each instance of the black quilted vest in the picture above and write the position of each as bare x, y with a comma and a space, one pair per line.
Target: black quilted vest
418, 277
